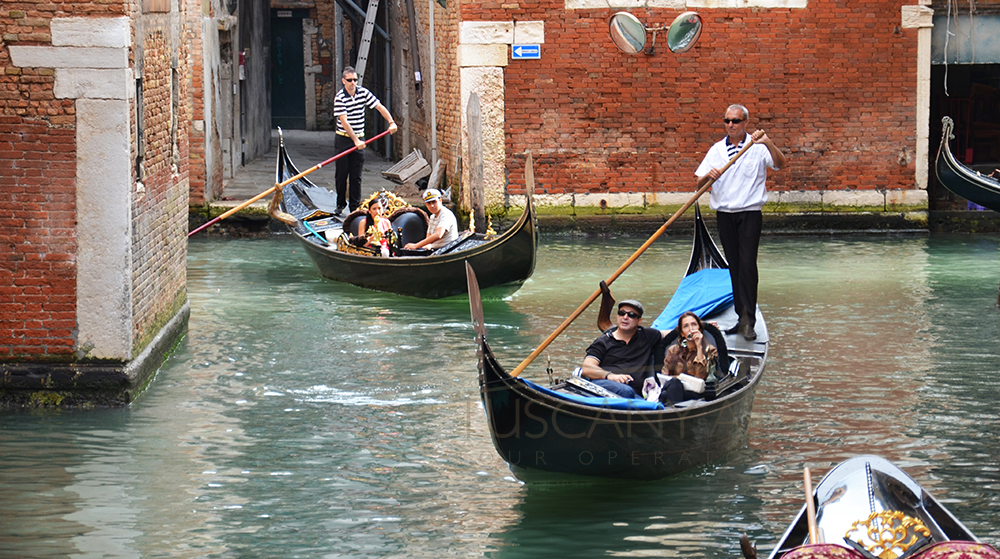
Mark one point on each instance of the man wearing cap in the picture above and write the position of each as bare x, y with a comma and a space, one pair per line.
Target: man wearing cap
618, 360
442, 228
349, 111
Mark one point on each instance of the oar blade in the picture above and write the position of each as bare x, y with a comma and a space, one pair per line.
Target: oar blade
475, 300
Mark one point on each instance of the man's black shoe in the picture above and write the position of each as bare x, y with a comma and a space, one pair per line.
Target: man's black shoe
732, 330
340, 210
748, 333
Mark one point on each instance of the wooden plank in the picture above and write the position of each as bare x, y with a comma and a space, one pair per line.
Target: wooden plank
476, 186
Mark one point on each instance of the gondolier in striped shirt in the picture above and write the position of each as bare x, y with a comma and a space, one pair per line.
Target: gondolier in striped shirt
349, 111
738, 195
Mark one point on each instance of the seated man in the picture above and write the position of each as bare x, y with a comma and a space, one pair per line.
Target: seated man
617, 361
443, 226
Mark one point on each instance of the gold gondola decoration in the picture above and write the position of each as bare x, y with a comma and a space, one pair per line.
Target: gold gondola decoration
882, 532
375, 236
490, 233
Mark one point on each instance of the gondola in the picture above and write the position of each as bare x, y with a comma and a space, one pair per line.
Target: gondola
506, 259
550, 434
963, 181
868, 495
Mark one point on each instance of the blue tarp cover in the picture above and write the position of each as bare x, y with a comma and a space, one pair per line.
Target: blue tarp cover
702, 292
612, 403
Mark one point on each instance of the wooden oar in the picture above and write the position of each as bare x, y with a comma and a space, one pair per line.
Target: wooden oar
810, 508
291, 180
621, 269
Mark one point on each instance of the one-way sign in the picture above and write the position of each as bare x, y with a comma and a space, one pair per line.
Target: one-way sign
520, 52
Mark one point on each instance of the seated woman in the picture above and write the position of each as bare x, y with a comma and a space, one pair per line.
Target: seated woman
692, 356
374, 220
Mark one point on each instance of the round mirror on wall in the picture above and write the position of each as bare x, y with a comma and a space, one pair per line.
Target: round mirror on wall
684, 32
628, 33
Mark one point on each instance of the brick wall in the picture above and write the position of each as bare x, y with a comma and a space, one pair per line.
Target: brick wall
447, 83
834, 84
37, 196
448, 87
194, 73
159, 231
37, 236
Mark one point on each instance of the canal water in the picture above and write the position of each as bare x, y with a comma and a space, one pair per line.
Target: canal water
305, 418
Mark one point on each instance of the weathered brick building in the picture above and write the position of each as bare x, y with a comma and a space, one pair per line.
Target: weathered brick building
845, 88
96, 142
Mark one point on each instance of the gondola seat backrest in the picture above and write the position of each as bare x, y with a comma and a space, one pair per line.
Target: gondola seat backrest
410, 227
354, 223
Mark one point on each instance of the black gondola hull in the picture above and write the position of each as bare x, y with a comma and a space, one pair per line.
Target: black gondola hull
533, 431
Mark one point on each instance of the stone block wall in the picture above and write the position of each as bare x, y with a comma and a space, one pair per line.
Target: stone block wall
159, 208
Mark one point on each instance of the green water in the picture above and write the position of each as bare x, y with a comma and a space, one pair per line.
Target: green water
305, 418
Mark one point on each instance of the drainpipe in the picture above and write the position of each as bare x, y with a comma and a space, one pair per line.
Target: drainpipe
338, 63
433, 82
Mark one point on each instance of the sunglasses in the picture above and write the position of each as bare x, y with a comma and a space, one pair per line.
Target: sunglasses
351, 79
733, 120
629, 313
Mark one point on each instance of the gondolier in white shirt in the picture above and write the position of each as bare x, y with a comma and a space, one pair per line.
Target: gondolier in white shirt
738, 195
349, 111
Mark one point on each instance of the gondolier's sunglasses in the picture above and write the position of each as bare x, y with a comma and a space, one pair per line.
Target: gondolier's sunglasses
732, 120
351, 79
629, 313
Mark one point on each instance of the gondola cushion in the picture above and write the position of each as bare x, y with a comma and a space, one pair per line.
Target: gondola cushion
702, 293
612, 403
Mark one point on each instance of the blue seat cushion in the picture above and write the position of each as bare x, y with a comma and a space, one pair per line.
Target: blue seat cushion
702, 293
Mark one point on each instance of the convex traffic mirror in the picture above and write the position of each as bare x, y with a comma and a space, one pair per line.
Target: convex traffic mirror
629, 34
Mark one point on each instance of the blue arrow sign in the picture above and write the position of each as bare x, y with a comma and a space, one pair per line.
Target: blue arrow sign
521, 52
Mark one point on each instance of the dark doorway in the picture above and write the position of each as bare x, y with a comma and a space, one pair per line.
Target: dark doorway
288, 98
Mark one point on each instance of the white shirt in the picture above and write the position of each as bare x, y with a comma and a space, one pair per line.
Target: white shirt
446, 219
741, 188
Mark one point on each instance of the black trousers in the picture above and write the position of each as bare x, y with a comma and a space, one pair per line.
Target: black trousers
740, 236
348, 166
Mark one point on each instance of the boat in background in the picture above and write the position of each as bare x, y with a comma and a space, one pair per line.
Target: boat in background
551, 433
963, 181
506, 259
866, 496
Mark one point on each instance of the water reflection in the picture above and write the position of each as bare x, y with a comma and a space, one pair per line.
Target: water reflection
302, 417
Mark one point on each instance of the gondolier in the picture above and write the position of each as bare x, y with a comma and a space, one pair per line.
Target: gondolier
738, 196
349, 111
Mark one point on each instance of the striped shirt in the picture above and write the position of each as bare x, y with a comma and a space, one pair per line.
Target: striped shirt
733, 150
354, 108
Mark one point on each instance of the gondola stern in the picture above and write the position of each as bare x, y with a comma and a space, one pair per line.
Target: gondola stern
704, 252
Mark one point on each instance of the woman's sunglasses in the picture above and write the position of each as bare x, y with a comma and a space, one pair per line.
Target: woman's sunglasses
629, 313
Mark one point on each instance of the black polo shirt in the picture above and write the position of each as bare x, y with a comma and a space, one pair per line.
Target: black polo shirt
630, 358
